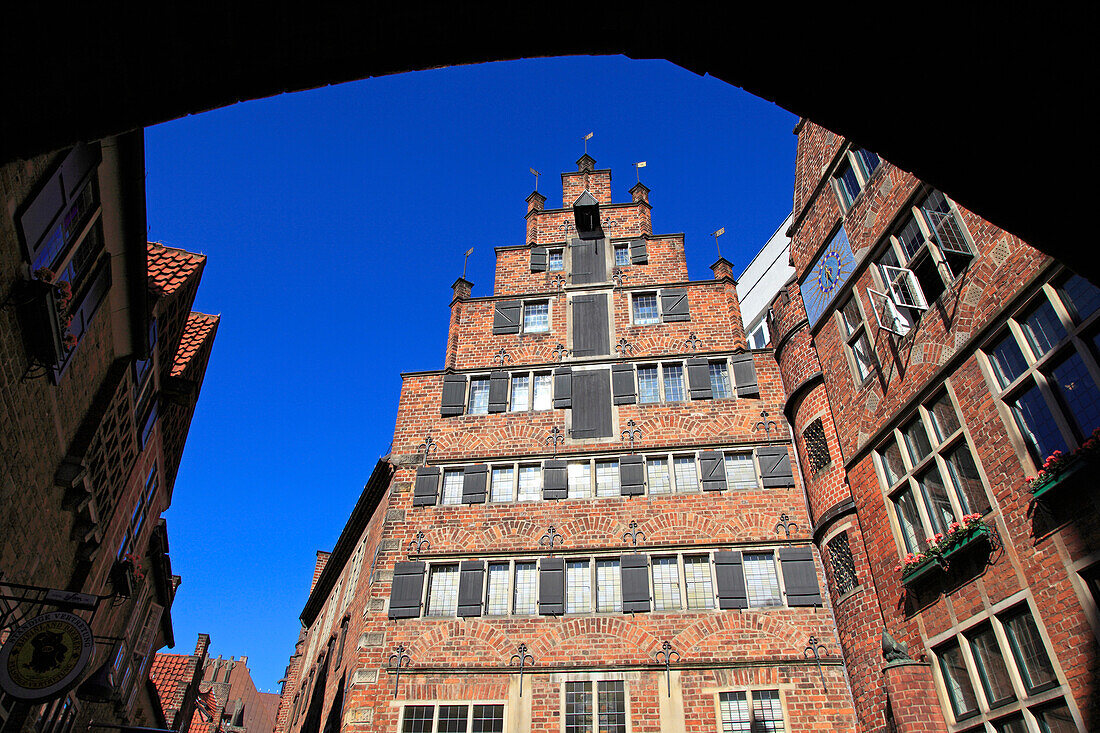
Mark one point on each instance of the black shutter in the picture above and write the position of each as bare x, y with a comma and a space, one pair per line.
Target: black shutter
93, 296
699, 379
555, 480
551, 586
427, 486
775, 466
591, 335
408, 585
634, 570
587, 258
631, 475
731, 580
538, 259
744, 375
506, 316
674, 305
474, 480
563, 387
800, 576
454, 395
592, 406
622, 384
470, 578
712, 465
638, 254
498, 391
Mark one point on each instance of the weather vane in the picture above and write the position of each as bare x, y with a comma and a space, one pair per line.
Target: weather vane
637, 171
586, 139
717, 234
536, 174
469, 252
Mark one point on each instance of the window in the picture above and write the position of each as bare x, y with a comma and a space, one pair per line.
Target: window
530, 483
476, 718
868, 162
666, 584
522, 398
844, 567
609, 594
607, 478
753, 711
687, 474
852, 174
1044, 370
924, 255
578, 587
496, 601
719, 380
660, 482
930, 473
998, 661
861, 357
580, 480
443, 591
761, 580
141, 513
673, 382
556, 260
649, 388
698, 582
740, 471
526, 590
610, 714
817, 448
645, 309
536, 317
479, 396
452, 487
503, 484
622, 255
759, 336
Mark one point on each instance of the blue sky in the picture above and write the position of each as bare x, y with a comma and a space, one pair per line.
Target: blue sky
335, 221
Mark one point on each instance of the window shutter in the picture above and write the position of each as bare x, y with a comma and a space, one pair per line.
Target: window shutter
427, 486
474, 480
638, 254
674, 305
551, 586
587, 258
731, 580
405, 593
744, 375
555, 484
538, 259
506, 316
591, 336
56, 196
634, 571
454, 395
498, 391
622, 384
93, 296
775, 466
699, 379
712, 466
800, 576
592, 408
563, 387
470, 579
631, 475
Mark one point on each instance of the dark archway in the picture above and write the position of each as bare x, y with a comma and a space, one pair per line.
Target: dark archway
988, 107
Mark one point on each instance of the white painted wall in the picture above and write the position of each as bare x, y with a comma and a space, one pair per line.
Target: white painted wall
764, 276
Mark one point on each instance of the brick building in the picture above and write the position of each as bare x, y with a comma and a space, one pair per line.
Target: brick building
176, 679
932, 362
588, 487
102, 364
236, 706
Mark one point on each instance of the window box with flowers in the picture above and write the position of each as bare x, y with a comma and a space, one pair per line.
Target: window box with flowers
960, 537
1061, 470
43, 307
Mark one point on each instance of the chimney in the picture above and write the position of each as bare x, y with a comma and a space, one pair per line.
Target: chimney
202, 645
462, 289
723, 270
244, 661
535, 202
322, 560
586, 163
640, 193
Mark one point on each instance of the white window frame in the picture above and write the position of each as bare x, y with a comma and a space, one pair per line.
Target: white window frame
860, 369
594, 683
891, 319
550, 258
634, 308
863, 177
437, 704
549, 316
749, 691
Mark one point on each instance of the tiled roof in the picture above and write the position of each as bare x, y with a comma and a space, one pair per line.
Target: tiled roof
169, 268
198, 328
168, 671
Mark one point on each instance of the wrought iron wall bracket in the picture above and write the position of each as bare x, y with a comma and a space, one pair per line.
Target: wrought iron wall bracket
521, 657
667, 652
632, 433
634, 533
555, 438
766, 425
398, 660
418, 544
427, 446
816, 649
785, 524
550, 538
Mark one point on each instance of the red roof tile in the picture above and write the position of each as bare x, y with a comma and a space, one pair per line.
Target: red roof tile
198, 329
168, 671
170, 267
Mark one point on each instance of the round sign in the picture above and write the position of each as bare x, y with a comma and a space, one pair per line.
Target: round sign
45, 657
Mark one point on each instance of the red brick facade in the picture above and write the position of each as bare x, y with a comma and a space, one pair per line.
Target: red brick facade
1020, 590
739, 623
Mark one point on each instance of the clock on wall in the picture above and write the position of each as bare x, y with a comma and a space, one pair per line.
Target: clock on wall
827, 275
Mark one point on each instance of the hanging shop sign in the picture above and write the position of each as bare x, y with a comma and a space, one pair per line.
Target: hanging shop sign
45, 657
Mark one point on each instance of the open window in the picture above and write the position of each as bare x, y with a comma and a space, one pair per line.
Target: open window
887, 314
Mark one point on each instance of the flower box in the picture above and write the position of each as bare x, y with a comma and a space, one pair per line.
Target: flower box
1064, 478
40, 315
937, 558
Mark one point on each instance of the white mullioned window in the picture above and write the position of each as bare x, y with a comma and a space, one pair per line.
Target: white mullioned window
609, 594
698, 582
503, 486
452, 487
580, 480
687, 474
659, 480
536, 316
443, 590
740, 471
761, 580
645, 309
544, 392
526, 592
666, 583
521, 392
479, 396
751, 711
673, 382
719, 380
578, 586
496, 599
607, 478
530, 483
